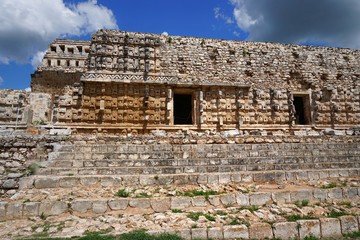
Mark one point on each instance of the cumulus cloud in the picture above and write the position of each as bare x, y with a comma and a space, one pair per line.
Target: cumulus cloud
331, 22
27, 27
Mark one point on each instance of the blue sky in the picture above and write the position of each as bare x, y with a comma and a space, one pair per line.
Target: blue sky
28, 26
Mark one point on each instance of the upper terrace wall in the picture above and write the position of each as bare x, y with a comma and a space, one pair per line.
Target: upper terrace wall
263, 65
62, 65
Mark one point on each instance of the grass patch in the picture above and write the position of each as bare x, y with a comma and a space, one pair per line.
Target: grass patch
142, 195
336, 214
311, 238
346, 204
251, 208
302, 203
177, 211
196, 215
355, 235
194, 193
330, 185
122, 193
295, 217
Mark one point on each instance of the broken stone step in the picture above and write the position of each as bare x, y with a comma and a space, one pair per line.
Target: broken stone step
190, 169
96, 205
206, 154
52, 181
300, 162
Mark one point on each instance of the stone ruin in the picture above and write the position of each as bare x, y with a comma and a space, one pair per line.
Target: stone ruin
126, 129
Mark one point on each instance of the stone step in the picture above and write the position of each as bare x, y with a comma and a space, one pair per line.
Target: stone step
133, 148
190, 169
52, 181
201, 162
204, 154
96, 205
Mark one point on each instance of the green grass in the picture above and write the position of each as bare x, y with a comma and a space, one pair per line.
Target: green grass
177, 211
194, 193
142, 195
355, 235
336, 214
295, 217
122, 193
302, 203
196, 215
311, 238
347, 204
251, 208
330, 185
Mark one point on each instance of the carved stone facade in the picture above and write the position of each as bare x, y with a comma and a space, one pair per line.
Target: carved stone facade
139, 82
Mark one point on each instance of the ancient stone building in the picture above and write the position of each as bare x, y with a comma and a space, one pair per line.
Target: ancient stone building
138, 82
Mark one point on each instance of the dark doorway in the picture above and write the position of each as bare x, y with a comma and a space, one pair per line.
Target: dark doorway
183, 109
302, 114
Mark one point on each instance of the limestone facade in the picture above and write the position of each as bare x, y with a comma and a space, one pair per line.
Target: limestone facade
123, 80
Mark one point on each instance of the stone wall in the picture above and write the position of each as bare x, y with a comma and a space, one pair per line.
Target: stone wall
20, 156
62, 65
232, 83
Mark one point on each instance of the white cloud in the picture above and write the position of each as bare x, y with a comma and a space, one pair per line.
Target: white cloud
1, 80
36, 59
220, 15
27, 27
331, 22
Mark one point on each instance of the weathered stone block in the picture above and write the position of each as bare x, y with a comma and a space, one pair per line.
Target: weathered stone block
68, 182
118, 204
53, 208
9, 184
309, 228
330, 227
260, 231
228, 199
224, 178
3, 209
160, 204
281, 197
87, 181
31, 209
213, 179
335, 193
99, 207
259, 199
199, 201
236, 232
180, 202
81, 206
46, 182
110, 181
26, 183
215, 233
286, 230
142, 203
242, 199
349, 224
320, 194
350, 192
199, 233
301, 195
184, 233
146, 180
14, 209
214, 201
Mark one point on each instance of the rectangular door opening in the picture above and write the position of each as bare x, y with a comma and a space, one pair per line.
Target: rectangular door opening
302, 110
183, 109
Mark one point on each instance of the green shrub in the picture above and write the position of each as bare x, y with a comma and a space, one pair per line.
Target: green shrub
330, 185
336, 214
122, 193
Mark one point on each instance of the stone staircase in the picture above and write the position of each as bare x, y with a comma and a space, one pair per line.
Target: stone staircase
164, 164
80, 181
